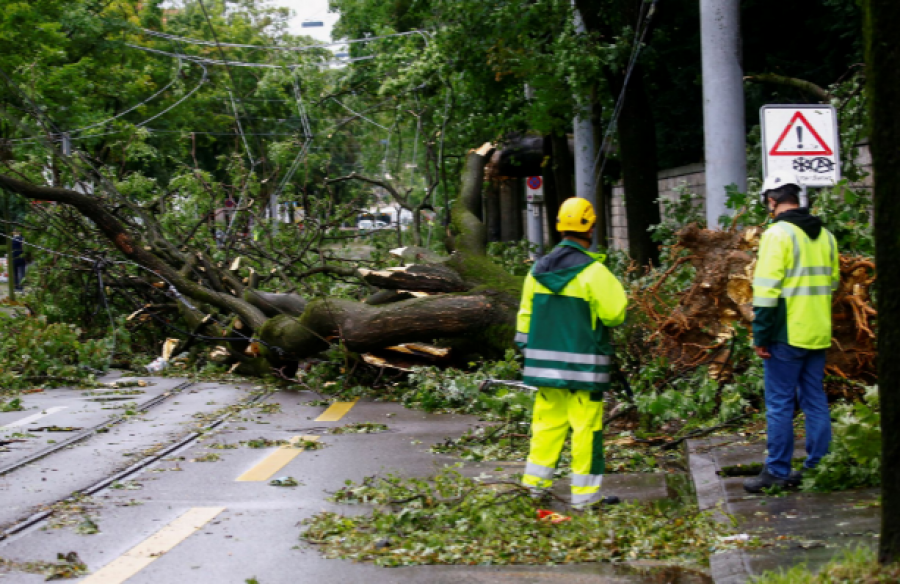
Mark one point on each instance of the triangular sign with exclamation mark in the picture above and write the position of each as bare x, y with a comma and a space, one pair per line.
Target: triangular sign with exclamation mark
799, 138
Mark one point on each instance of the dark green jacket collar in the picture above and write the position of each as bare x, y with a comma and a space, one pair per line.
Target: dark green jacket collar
563, 264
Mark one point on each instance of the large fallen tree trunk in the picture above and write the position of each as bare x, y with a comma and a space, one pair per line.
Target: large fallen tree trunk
464, 298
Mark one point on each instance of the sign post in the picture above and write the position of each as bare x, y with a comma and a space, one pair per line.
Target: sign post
534, 195
802, 140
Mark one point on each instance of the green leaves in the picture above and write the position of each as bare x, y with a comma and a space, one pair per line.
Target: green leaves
34, 352
855, 457
451, 519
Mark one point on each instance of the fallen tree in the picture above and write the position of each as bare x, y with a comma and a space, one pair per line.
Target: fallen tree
248, 297
704, 318
462, 299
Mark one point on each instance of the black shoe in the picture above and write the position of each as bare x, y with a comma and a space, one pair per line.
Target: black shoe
607, 500
766, 480
795, 478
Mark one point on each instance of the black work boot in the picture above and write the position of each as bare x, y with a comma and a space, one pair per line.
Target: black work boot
603, 502
766, 480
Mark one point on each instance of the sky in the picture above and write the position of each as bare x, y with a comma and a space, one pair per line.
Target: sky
310, 10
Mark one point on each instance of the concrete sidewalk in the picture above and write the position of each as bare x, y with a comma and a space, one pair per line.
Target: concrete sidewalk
798, 527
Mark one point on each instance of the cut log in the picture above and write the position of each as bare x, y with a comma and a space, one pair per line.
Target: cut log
362, 328
426, 278
388, 297
418, 255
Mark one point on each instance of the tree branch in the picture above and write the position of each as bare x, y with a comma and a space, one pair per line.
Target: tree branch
801, 84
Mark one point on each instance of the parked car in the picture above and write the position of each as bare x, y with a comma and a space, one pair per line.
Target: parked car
368, 224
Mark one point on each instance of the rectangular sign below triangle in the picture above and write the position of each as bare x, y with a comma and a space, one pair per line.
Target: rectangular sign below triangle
799, 138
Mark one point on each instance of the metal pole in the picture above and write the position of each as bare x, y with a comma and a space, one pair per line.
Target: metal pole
723, 103
536, 228
585, 147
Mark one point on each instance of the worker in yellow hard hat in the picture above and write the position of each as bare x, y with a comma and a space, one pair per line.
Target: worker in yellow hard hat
569, 301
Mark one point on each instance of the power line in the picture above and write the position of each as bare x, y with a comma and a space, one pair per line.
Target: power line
138, 125
131, 109
422, 33
225, 62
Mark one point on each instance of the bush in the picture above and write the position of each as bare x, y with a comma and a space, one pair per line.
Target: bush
855, 457
36, 353
512, 256
686, 208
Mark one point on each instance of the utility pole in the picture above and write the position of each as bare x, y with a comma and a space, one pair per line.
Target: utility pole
723, 103
585, 145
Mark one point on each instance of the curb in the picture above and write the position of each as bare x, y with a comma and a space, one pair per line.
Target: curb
727, 567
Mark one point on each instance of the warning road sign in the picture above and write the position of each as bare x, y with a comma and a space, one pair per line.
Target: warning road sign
803, 140
805, 145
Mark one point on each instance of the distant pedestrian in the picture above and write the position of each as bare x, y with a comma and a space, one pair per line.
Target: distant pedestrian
18, 254
568, 302
796, 273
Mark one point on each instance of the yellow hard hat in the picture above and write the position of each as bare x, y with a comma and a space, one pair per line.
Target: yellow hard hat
575, 214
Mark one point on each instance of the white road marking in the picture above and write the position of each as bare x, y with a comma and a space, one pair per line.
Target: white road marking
35, 417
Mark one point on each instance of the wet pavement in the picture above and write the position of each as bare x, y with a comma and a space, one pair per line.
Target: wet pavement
798, 527
207, 514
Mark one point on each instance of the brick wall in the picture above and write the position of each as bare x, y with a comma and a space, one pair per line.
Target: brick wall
694, 176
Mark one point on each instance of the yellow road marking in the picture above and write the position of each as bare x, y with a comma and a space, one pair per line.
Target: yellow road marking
336, 411
265, 469
143, 554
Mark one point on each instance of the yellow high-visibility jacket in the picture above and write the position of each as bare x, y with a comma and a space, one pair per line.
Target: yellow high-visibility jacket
568, 301
796, 272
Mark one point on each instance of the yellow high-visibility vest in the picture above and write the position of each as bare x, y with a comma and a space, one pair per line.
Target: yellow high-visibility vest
797, 275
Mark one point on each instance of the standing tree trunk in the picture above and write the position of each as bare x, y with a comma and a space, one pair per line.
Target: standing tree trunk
10, 262
564, 172
636, 127
510, 210
552, 199
602, 192
882, 56
492, 211
637, 143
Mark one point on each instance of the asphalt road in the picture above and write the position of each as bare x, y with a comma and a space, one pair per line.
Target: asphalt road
178, 519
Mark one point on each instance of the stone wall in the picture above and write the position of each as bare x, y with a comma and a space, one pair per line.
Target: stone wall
694, 176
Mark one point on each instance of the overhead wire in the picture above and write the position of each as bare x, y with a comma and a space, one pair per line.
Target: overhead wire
224, 61
424, 34
140, 124
131, 109
359, 115
208, 61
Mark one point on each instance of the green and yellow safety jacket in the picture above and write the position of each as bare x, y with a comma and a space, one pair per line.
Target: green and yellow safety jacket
796, 272
569, 300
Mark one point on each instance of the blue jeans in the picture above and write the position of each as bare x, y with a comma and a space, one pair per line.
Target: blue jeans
795, 374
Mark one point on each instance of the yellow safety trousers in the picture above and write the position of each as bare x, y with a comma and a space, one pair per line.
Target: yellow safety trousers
555, 412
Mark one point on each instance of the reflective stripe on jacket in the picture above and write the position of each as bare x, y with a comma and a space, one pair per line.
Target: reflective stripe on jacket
562, 323
792, 285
